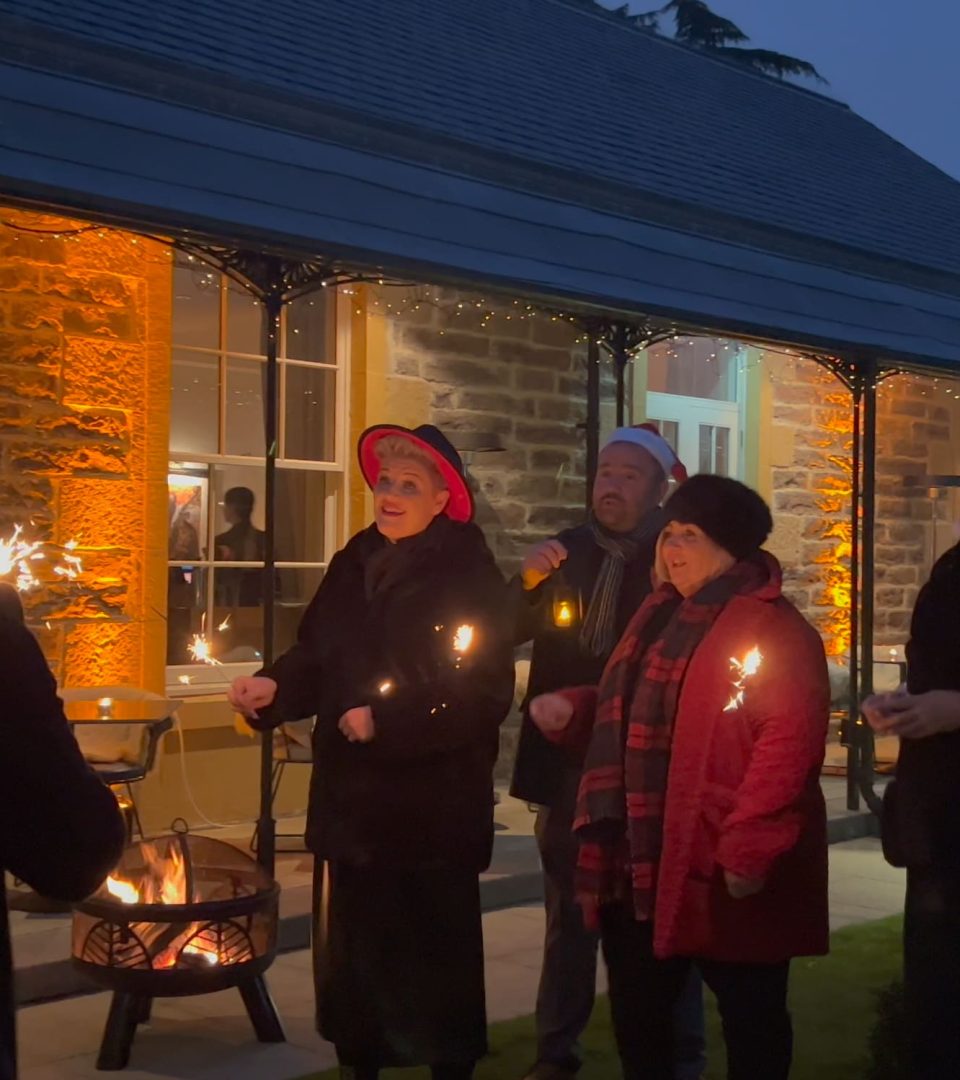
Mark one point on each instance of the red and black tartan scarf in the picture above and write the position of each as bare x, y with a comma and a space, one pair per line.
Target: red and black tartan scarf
620, 806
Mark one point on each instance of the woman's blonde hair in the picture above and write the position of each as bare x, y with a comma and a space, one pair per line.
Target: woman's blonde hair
396, 447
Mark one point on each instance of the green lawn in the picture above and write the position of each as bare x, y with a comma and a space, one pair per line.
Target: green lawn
832, 1000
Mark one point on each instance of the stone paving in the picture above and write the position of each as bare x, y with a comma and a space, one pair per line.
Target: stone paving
209, 1038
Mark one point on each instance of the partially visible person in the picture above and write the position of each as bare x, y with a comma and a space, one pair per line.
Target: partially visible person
701, 821
405, 659
242, 542
921, 821
61, 831
607, 562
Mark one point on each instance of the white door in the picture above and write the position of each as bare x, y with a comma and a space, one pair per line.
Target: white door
704, 434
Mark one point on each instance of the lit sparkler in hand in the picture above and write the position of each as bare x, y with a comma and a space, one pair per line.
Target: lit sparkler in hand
463, 639
743, 669
200, 649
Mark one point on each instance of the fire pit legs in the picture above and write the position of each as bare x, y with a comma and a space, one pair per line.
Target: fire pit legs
126, 1011
261, 1010
129, 1010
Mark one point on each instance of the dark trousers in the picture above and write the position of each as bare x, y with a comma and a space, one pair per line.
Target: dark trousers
568, 977
752, 999
931, 968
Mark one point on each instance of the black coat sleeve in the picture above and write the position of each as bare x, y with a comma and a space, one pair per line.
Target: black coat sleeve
528, 608
464, 703
297, 673
60, 828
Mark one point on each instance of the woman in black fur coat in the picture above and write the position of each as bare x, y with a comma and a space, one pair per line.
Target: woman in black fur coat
404, 658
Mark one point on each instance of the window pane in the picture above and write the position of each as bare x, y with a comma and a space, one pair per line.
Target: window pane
670, 430
196, 304
194, 402
245, 330
694, 367
186, 605
245, 419
301, 515
705, 458
721, 464
308, 329
296, 589
237, 625
238, 520
310, 398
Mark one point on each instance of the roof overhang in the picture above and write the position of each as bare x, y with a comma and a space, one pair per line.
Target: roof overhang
112, 153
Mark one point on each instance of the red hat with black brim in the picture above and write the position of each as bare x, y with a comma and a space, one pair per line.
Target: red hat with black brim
437, 447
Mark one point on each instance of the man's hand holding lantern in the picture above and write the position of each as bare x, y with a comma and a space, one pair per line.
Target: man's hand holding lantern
551, 713
541, 562
356, 725
248, 693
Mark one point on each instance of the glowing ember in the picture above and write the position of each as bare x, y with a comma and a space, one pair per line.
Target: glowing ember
385, 687
225, 625
744, 669
463, 639
15, 557
185, 680
563, 616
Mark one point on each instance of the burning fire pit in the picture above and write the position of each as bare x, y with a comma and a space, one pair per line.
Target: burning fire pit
180, 915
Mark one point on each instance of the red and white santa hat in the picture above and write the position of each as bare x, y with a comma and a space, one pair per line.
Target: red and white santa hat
648, 437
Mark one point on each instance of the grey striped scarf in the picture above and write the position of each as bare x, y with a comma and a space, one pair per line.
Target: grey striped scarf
598, 634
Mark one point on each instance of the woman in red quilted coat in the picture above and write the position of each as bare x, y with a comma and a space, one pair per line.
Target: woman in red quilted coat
701, 822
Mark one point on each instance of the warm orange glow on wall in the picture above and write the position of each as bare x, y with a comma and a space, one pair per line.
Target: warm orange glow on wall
834, 493
84, 405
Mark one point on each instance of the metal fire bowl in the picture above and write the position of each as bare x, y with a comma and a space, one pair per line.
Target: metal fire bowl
180, 982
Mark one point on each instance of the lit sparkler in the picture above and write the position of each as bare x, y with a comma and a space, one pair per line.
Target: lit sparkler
743, 669
200, 651
16, 555
463, 639
71, 566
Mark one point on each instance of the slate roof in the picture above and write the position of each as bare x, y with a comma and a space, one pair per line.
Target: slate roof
536, 145
556, 83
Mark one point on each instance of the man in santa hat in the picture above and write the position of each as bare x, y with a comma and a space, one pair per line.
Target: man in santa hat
575, 595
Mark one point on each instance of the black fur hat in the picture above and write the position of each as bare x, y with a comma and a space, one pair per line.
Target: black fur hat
731, 514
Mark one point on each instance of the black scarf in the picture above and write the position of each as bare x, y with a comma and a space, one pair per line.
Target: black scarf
598, 634
391, 563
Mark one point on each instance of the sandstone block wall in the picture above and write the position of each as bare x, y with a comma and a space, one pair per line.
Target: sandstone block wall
918, 433
522, 378
84, 404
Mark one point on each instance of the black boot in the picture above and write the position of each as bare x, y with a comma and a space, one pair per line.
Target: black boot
452, 1072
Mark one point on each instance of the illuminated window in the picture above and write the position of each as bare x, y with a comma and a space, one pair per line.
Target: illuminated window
217, 470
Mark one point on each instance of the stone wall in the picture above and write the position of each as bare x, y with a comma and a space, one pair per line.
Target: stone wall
84, 404
810, 474
497, 369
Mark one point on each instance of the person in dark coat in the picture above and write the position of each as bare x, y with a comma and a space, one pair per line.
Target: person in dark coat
921, 820
61, 831
242, 542
405, 658
574, 598
702, 826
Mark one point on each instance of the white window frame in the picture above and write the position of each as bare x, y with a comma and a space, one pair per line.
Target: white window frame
208, 679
